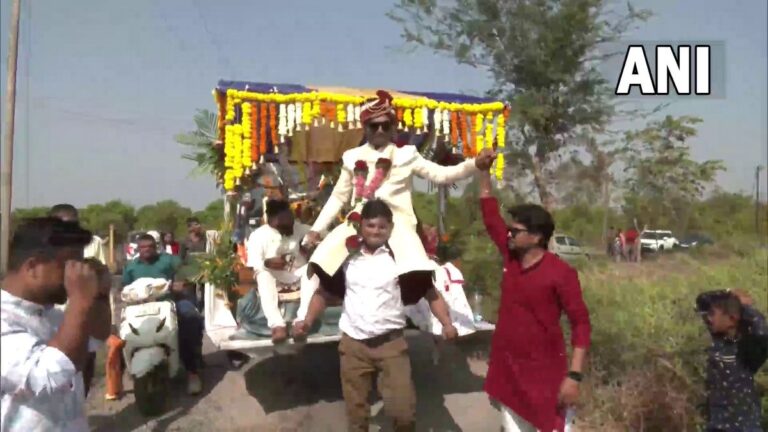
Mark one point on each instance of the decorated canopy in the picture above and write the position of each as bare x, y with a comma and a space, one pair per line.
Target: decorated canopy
258, 119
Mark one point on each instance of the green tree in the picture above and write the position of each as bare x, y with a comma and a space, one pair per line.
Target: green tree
543, 57
21, 213
212, 217
99, 217
663, 181
164, 216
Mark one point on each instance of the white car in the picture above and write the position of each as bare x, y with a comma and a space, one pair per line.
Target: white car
658, 240
567, 247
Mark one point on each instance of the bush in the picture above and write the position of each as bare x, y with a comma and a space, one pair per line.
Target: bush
648, 352
648, 359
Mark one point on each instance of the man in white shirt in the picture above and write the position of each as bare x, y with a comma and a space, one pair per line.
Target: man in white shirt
42, 349
372, 323
94, 249
279, 262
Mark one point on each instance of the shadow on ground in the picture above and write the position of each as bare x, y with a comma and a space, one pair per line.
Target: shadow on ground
129, 418
282, 383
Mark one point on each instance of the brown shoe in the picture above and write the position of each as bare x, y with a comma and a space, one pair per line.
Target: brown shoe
279, 335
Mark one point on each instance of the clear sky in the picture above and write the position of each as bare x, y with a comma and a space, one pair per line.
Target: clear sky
104, 85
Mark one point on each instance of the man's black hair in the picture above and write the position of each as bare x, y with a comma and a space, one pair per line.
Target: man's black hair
146, 237
376, 208
42, 237
536, 220
191, 220
275, 207
63, 209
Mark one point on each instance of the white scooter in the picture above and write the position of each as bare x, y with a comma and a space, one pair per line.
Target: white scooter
149, 328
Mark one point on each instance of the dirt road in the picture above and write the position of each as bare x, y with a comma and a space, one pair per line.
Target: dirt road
302, 393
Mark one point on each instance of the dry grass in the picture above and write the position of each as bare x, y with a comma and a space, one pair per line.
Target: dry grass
648, 344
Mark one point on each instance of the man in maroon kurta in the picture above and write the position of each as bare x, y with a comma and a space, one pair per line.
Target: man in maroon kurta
528, 369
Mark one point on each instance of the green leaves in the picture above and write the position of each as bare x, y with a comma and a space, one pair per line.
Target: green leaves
543, 57
201, 145
663, 181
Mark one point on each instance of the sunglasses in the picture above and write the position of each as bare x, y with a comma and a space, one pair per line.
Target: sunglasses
513, 232
384, 126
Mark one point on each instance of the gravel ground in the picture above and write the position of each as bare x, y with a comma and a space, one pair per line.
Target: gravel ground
302, 393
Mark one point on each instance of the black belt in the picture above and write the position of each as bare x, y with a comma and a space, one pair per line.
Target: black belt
382, 338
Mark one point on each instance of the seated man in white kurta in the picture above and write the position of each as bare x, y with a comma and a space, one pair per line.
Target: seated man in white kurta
380, 169
279, 262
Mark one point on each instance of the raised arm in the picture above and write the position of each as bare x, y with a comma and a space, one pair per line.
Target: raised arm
443, 174
339, 196
494, 223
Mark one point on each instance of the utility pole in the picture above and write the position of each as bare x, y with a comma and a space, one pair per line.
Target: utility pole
6, 172
757, 201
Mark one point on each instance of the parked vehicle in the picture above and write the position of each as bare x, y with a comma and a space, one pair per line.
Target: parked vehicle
149, 328
695, 240
568, 247
658, 241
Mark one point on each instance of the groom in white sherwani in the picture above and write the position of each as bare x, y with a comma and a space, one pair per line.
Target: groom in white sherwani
380, 169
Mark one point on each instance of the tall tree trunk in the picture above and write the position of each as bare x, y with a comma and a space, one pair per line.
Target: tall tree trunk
542, 185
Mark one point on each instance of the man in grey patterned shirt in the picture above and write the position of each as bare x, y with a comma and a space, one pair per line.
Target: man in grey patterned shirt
42, 349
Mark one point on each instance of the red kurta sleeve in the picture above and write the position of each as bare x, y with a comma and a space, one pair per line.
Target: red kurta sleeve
494, 223
570, 296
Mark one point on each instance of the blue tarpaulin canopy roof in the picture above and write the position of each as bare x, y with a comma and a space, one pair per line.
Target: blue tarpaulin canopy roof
282, 88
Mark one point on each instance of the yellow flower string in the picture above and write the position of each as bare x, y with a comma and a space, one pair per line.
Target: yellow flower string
229, 160
341, 116
489, 131
418, 119
501, 143
408, 118
479, 120
246, 160
315, 112
306, 114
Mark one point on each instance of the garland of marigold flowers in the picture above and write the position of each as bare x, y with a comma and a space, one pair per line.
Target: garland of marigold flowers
501, 137
418, 119
254, 135
454, 128
408, 118
471, 119
399, 114
479, 120
263, 130
341, 116
245, 160
306, 115
273, 125
489, 132
330, 112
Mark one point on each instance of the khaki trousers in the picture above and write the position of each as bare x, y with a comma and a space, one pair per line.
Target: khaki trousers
361, 361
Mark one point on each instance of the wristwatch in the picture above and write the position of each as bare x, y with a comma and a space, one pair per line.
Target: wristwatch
576, 376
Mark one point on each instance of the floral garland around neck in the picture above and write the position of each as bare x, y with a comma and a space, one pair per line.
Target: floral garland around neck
363, 193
